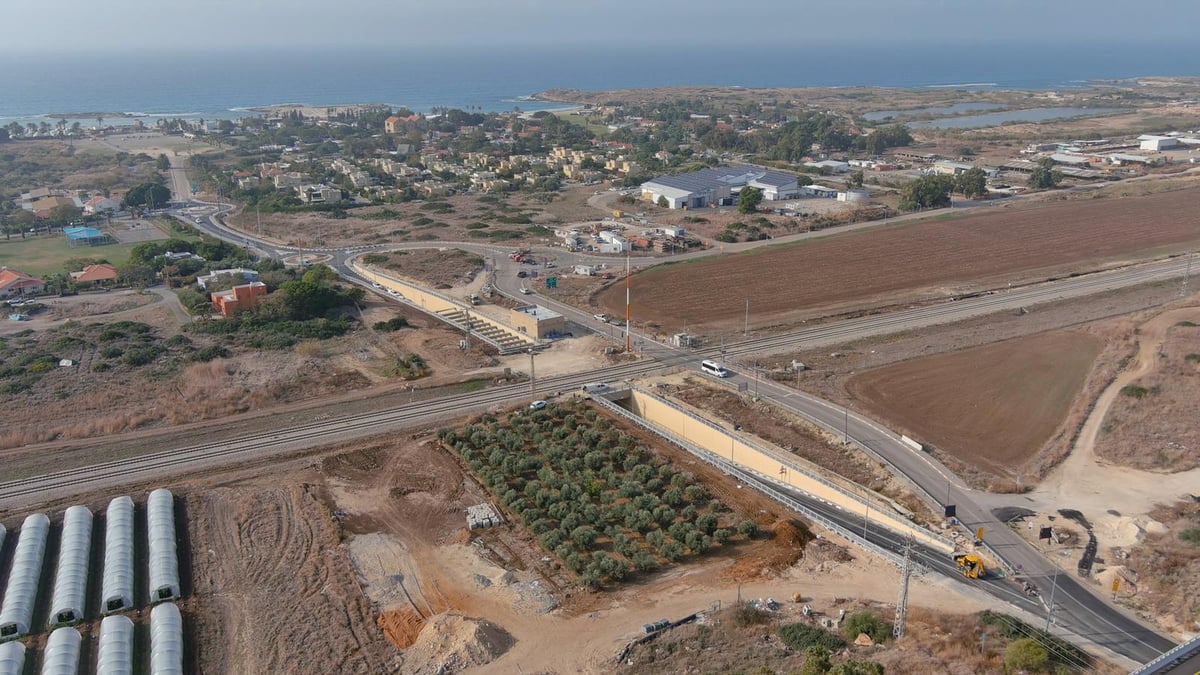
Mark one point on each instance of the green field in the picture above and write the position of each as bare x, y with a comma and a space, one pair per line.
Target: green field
40, 254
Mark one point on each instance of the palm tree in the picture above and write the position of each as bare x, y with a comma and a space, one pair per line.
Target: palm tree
99, 121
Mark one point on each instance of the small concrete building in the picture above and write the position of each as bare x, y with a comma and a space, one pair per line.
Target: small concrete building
1158, 143
538, 321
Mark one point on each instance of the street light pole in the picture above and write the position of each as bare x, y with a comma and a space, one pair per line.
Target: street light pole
1050, 607
532, 386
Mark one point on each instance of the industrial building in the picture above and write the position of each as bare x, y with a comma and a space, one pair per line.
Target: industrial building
1158, 143
116, 594
717, 186
164, 559
70, 580
538, 321
16, 613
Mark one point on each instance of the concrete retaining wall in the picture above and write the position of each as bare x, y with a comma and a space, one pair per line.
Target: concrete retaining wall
435, 303
770, 462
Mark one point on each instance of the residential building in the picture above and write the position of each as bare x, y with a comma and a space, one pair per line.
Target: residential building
15, 284
235, 275
100, 204
318, 194
99, 273
227, 303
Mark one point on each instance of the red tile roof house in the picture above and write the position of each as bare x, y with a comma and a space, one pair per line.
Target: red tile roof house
98, 273
14, 284
229, 302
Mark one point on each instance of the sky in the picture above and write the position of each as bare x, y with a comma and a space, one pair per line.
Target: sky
234, 25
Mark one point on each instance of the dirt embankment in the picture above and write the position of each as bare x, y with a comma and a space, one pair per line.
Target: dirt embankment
1150, 421
1161, 575
931, 259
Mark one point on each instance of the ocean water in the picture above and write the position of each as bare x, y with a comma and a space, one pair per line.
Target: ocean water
223, 84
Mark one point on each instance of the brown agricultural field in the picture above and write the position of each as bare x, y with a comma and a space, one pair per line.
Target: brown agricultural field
929, 259
993, 406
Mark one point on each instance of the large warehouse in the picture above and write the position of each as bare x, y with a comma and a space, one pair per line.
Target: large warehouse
716, 186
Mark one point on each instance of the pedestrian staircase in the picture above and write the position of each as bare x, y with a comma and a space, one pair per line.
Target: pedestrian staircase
505, 341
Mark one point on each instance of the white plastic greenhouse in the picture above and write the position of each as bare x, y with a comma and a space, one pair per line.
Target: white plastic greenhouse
12, 658
164, 563
70, 582
116, 646
62, 653
17, 611
117, 583
166, 640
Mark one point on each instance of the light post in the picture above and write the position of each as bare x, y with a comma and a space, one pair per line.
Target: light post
1050, 607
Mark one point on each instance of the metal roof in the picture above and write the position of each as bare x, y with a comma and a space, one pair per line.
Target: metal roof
718, 177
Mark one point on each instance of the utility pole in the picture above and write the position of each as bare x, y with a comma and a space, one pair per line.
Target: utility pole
902, 604
756, 379
746, 327
627, 312
845, 426
532, 386
1187, 274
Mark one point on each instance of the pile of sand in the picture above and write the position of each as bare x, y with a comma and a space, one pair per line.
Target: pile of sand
1125, 531
452, 642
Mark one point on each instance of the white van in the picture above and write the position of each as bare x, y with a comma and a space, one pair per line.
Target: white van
713, 368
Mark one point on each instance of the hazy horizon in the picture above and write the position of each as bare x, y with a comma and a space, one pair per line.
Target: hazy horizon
126, 26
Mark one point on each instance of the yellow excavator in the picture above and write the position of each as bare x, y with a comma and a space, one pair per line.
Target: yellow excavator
970, 565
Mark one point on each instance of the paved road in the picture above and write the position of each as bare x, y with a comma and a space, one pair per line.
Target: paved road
1076, 609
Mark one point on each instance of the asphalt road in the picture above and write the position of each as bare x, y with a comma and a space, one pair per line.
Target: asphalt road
1076, 608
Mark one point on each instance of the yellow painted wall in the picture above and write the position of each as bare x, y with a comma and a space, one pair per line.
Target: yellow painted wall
432, 302
776, 465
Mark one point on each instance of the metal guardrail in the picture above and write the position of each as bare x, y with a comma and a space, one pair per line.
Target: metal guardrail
1171, 658
792, 466
753, 479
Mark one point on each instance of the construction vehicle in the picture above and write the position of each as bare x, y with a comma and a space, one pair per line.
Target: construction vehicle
970, 565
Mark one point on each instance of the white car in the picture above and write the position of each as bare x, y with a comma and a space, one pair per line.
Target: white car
600, 317
537, 405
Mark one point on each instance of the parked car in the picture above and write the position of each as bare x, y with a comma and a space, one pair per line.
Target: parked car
537, 405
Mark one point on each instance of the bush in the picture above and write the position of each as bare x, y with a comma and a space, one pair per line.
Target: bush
390, 325
1026, 654
746, 614
801, 636
209, 353
1192, 358
141, 356
747, 529
1134, 391
1191, 536
866, 622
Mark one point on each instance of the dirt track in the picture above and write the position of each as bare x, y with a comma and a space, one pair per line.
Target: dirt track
928, 259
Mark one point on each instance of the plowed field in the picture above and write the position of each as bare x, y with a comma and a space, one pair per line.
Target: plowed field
786, 283
992, 406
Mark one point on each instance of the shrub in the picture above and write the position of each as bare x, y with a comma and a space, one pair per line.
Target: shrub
856, 667
393, 324
1134, 391
1192, 358
1026, 654
801, 636
209, 353
1191, 536
746, 614
141, 356
866, 622
747, 529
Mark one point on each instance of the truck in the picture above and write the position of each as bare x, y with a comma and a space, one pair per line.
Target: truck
970, 565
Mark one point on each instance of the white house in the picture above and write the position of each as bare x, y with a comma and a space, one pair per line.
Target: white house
99, 204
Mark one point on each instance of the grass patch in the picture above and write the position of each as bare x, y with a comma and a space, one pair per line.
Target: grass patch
43, 254
801, 636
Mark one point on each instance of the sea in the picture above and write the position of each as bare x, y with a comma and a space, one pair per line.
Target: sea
227, 84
